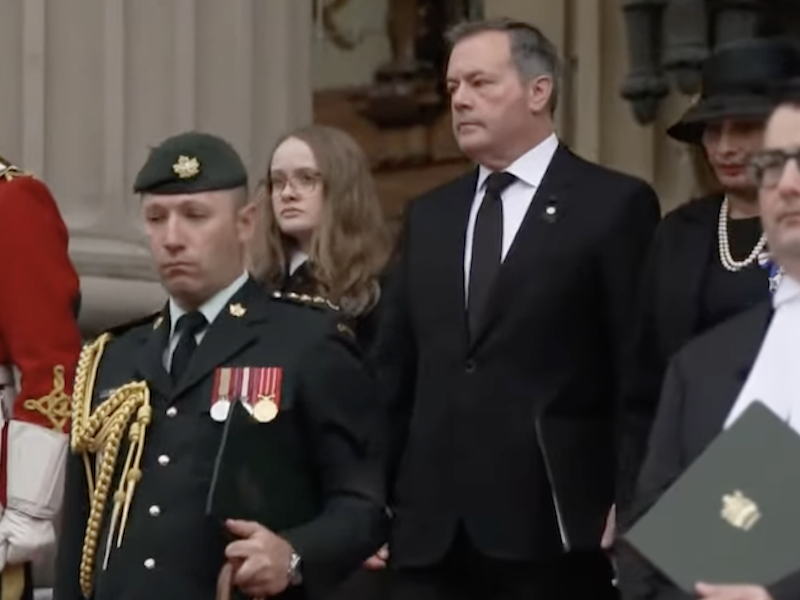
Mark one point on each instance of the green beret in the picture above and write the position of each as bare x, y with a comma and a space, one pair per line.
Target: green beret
189, 163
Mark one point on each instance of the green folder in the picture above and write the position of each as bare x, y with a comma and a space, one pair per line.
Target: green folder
734, 514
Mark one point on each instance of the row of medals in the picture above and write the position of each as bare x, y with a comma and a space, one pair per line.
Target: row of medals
263, 411
237, 385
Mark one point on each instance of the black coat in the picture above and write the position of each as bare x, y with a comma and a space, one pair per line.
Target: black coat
702, 383
669, 311
484, 430
328, 412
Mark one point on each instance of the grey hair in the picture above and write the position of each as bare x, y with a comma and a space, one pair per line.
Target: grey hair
532, 53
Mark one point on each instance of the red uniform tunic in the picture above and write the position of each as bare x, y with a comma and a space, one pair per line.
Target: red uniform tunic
39, 347
39, 292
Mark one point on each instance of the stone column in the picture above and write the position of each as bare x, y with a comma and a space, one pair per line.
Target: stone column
89, 85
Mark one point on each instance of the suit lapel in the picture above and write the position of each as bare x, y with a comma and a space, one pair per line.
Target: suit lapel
150, 358
740, 354
453, 223
559, 176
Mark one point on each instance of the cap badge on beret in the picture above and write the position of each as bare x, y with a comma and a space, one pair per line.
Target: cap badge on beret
186, 167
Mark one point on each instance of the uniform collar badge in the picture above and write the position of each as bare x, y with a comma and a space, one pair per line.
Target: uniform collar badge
237, 310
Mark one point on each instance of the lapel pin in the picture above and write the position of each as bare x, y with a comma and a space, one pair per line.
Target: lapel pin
237, 310
158, 323
550, 210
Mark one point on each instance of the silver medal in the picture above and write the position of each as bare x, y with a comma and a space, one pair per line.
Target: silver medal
220, 410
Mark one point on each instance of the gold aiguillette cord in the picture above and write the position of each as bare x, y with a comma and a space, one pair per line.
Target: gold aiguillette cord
130, 477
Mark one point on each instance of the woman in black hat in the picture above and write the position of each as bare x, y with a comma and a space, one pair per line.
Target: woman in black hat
704, 263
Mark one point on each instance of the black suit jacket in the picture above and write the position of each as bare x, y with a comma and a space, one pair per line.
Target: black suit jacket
328, 412
485, 430
702, 383
668, 311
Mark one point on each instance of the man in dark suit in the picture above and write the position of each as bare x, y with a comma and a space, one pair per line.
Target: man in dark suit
502, 342
151, 402
754, 356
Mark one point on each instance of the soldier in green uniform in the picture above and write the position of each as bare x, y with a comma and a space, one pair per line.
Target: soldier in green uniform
152, 401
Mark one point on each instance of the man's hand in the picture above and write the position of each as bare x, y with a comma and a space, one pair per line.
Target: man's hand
263, 559
607, 541
377, 561
23, 538
731, 592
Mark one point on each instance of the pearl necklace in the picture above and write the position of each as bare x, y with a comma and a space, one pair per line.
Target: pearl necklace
724, 248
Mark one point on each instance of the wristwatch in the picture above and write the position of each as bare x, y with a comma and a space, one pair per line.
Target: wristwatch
295, 573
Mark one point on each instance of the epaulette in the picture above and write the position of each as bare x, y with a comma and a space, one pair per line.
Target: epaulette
306, 300
155, 319
8, 171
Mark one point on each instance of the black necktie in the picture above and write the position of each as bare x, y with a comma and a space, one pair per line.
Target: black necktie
487, 247
188, 326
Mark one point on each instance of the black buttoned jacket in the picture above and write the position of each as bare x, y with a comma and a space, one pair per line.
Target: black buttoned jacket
171, 548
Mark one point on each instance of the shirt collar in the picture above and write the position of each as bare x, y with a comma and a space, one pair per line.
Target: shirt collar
788, 292
530, 167
296, 260
212, 307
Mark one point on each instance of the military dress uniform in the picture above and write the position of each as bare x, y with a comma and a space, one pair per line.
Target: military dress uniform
145, 441
39, 346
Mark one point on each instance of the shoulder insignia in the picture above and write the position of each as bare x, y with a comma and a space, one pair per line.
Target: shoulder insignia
155, 319
9, 171
346, 330
305, 299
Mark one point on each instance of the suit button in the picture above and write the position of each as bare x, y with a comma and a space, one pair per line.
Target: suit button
163, 460
172, 411
154, 510
149, 564
469, 366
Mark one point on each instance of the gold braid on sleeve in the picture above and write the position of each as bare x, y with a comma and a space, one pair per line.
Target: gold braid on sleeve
55, 405
100, 433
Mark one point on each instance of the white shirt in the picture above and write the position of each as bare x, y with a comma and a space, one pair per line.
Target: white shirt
529, 169
211, 309
775, 377
296, 261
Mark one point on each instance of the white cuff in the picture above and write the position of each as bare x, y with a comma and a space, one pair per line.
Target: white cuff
35, 469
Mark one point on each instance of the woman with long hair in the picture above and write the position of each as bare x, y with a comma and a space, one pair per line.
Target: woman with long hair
325, 233
326, 236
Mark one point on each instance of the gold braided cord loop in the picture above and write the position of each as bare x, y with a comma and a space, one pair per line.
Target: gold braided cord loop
55, 405
100, 433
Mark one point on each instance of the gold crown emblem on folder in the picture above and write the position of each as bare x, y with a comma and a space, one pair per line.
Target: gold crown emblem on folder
740, 511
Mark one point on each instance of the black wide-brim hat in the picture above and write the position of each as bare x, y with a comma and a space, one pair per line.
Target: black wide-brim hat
738, 82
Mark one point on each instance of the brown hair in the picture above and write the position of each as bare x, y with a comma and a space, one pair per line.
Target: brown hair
532, 52
351, 246
705, 181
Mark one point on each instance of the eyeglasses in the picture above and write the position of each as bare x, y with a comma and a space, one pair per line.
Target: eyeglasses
303, 182
766, 168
